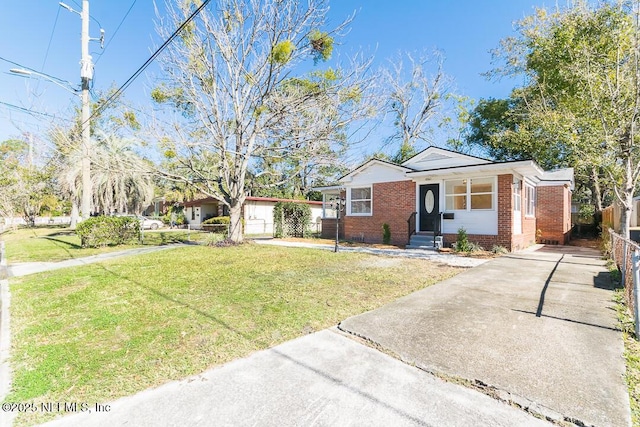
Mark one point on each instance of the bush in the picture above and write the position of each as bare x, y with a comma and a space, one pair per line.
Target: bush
218, 220
462, 242
108, 230
217, 224
386, 234
499, 250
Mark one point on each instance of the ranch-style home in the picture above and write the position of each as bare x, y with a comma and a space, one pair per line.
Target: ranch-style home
427, 199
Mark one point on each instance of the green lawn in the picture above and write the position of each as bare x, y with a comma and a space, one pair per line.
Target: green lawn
99, 332
59, 244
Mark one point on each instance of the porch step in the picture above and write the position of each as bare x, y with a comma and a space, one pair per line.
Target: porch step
421, 241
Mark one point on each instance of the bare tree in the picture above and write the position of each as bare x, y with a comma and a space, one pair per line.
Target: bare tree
414, 98
235, 77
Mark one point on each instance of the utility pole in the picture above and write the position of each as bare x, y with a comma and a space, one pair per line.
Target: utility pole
86, 74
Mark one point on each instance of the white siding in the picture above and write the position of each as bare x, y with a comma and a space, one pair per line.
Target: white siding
376, 173
258, 217
438, 160
475, 222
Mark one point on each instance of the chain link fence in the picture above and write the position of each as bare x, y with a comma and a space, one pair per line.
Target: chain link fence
626, 255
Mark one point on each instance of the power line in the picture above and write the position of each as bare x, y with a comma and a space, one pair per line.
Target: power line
148, 62
53, 30
28, 111
116, 31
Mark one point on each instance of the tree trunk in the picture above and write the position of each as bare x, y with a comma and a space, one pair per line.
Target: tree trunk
74, 215
596, 191
235, 223
626, 195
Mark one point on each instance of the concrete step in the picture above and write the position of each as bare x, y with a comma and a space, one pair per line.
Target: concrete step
415, 240
422, 247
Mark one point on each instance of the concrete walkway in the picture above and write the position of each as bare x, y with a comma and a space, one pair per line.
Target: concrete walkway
536, 328
323, 379
25, 268
443, 258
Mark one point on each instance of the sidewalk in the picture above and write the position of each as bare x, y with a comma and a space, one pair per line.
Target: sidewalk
25, 268
322, 379
537, 328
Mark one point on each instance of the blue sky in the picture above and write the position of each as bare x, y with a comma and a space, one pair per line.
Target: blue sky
41, 35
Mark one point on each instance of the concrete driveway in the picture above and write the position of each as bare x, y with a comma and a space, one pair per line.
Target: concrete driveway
535, 328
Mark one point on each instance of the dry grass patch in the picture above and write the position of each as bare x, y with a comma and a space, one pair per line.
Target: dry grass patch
103, 331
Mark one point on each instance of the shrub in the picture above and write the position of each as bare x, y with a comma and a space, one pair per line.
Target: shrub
462, 242
499, 250
218, 220
386, 234
108, 230
217, 224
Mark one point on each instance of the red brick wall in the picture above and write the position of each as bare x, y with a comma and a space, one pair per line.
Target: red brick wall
553, 212
329, 228
393, 203
505, 211
528, 235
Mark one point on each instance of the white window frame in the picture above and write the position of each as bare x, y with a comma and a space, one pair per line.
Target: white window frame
468, 194
329, 210
350, 200
517, 195
529, 201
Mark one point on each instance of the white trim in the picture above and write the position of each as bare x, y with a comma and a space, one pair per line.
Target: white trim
349, 213
349, 177
468, 194
524, 167
448, 153
526, 200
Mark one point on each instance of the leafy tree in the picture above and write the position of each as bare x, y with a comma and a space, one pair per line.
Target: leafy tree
111, 124
23, 182
231, 76
581, 98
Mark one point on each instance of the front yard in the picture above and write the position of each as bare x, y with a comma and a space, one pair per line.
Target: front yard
99, 332
59, 244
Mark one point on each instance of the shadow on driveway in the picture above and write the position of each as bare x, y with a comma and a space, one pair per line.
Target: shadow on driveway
536, 325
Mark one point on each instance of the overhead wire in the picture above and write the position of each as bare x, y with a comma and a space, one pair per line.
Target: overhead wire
53, 30
30, 112
148, 62
116, 31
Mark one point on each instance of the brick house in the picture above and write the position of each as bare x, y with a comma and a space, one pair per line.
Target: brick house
511, 204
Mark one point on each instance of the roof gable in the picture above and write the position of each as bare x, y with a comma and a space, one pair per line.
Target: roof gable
438, 158
376, 170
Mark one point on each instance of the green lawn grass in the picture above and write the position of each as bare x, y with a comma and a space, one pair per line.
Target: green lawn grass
102, 331
58, 244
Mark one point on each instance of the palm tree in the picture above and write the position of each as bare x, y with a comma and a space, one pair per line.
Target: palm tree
122, 180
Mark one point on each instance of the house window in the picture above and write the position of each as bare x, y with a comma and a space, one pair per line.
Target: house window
529, 200
329, 204
193, 213
481, 190
456, 195
469, 194
360, 201
517, 195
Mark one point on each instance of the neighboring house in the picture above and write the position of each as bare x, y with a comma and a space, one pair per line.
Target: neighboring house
256, 211
436, 192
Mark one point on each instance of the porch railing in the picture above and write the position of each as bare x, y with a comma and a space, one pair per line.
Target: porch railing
411, 223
